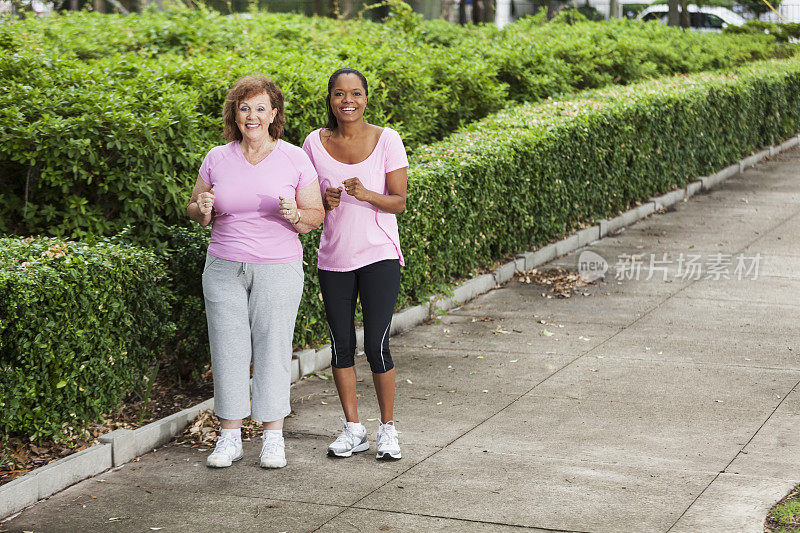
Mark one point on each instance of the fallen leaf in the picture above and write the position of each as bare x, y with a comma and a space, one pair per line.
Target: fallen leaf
546, 333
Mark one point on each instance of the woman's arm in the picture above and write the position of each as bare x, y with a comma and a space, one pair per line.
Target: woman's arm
202, 203
396, 185
307, 212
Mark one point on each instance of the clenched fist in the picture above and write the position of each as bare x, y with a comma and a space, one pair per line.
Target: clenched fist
205, 201
356, 189
288, 209
332, 198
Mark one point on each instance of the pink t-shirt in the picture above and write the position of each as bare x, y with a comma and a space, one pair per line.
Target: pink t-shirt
355, 233
247, 226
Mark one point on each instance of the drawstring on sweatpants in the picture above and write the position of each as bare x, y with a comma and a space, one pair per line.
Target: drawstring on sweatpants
244, 269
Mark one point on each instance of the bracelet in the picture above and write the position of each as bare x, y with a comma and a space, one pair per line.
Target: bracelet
298, 218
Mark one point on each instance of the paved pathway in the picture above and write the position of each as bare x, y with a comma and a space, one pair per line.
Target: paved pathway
663, 405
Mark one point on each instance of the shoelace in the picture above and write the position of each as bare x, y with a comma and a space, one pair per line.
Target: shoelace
347, 436
270, 446
387, 437
225, 442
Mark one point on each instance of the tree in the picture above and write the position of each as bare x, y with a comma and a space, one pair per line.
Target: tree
758, 7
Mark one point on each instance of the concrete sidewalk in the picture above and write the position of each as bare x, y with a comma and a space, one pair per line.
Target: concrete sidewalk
663, 405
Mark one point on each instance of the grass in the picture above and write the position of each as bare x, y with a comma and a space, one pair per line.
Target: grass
784, 517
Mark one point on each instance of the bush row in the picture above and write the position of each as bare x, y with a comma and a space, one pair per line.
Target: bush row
79, 324
782, 33
79, 327
533, 173
105, 119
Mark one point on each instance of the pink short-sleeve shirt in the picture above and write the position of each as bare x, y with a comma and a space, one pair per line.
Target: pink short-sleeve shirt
247, 226
356, 234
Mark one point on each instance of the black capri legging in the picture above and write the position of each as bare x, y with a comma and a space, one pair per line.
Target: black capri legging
377, 285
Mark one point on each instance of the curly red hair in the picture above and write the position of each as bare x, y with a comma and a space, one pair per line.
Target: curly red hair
245, 87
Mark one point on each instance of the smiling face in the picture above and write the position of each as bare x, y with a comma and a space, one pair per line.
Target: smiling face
254, 114
348, 99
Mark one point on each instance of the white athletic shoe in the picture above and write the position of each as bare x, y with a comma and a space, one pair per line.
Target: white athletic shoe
388, 447
273, 453
227, 451
353, 439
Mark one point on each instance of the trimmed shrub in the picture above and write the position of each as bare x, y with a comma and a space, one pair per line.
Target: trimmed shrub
105, 119
79, 327
79, 324
783, 33
531, 174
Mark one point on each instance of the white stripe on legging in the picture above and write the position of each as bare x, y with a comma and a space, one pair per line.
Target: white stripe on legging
384, 338
333, 345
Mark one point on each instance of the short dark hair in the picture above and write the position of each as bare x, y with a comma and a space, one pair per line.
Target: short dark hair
249, 86
332, 123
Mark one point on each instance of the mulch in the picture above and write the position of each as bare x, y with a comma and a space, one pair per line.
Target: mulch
170, 394
556, 282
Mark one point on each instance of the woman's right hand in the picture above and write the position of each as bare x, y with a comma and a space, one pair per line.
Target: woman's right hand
205, 201
332, 198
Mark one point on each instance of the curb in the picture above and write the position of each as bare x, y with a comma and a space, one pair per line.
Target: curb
123, 445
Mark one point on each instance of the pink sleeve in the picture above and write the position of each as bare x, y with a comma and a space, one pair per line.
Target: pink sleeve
306, 169
307, 147
206, 165
395, 156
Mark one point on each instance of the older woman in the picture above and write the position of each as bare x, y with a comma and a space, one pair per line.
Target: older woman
258, 192
359, 254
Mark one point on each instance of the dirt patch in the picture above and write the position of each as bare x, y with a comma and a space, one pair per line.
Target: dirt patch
169, 394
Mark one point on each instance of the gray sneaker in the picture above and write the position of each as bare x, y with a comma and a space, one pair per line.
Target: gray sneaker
352, 439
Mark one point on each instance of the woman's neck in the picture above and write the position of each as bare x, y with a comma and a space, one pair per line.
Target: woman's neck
257, 146
350, 131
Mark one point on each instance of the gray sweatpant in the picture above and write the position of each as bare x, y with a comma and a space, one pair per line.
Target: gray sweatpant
251, 310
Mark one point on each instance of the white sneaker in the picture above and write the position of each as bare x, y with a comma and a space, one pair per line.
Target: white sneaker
273, 452
388, 447
228, 450
352, 439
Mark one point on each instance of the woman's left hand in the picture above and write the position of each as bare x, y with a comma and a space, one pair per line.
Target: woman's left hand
288, 209
356, 189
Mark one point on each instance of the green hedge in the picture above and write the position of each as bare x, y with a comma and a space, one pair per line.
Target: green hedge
94, 318
105, 119
79, 327
531, 174
782, 33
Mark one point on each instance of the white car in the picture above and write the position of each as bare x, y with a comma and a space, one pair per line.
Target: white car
35, 7
701, 18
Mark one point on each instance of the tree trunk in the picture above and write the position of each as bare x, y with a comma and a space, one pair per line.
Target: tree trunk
552, 9
684, 15
673, 16
613, 9
502, 13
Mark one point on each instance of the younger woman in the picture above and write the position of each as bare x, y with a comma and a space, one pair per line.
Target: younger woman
362, 172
